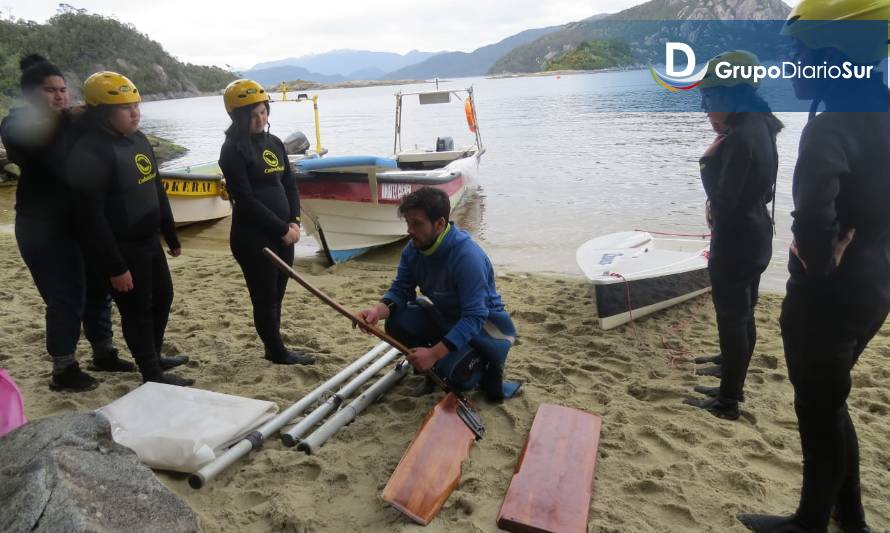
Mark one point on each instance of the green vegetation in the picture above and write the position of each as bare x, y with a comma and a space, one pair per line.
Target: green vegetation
80, 44
166, 150
593, 55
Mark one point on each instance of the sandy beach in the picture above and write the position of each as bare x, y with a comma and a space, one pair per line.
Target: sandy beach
662, 466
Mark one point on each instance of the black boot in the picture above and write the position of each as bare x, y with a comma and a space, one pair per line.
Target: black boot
173, 361
151, 371
291, 357
717, 407
72, 379
761, 523
713, 371
492, 384
708, 359
851, 524
713, 392
108, 360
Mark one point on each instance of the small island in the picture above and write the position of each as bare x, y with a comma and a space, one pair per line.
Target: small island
593, 55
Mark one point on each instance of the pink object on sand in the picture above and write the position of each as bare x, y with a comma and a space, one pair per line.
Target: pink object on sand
12, 409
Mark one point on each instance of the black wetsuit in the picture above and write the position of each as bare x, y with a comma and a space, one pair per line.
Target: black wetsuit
122, 206
266, 201
831, 311
739, 182
46, 237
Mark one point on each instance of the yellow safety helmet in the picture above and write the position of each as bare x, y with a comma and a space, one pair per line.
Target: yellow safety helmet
837, 10
736, 58
110, 88
241, 93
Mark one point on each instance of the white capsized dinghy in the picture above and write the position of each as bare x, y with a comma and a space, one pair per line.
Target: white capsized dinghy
636, 274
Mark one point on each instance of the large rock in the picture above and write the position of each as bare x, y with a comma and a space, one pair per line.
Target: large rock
65, 473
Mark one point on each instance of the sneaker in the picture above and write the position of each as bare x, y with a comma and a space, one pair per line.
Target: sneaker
72, 379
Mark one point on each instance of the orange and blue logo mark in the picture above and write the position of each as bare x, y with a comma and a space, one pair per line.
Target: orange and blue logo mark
675, 85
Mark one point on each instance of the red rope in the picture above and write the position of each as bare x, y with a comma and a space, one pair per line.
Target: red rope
696, 235
630, 311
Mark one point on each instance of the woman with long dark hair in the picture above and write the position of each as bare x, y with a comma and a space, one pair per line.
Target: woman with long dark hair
122, 206
37, 137
738, 172
266, 211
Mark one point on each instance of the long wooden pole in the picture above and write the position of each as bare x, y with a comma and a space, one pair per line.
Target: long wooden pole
374, 330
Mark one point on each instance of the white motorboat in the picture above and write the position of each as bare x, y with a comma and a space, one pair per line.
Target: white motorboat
636, 274
350, 204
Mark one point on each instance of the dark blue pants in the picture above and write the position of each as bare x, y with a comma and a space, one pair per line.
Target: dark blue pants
54, 259
463, 369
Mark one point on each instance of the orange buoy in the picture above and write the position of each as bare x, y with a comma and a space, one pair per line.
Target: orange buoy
471, 115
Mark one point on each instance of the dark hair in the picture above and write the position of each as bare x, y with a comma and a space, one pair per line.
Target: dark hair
35, 69
95, 118
239, 129
746, 99
433, 202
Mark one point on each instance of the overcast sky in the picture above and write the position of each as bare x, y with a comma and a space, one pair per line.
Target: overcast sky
243, 33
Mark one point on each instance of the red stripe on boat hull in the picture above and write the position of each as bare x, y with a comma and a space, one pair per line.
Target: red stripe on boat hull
387, 193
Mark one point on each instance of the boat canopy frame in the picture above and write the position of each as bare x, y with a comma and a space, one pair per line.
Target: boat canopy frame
303, 97
460, 94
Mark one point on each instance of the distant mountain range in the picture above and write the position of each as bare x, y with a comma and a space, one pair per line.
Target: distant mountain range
525, 52
534, 56
475, 63
335, 66
347, 62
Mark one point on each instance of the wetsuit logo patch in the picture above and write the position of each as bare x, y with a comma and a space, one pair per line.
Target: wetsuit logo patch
145, 168
270, 158
272, 162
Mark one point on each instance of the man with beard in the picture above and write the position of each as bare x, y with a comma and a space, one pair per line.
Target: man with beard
458, 326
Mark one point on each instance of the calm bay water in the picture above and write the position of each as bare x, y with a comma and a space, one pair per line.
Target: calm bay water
561, 165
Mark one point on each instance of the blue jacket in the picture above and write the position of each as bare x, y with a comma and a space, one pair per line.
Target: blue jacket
457, 276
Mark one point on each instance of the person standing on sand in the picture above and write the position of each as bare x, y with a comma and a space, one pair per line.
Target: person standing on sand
838, 292
465, 338
37, 137
738, 172
266, 212
122, 207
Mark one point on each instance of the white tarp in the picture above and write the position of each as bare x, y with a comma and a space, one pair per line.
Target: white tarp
181, 428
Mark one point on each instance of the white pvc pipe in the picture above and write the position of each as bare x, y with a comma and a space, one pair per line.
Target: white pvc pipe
256, 439
349, 413
292, 436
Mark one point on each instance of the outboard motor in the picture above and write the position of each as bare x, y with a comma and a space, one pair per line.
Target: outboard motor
444, 144
296, 143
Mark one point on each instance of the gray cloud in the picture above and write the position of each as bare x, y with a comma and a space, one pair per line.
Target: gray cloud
242, 33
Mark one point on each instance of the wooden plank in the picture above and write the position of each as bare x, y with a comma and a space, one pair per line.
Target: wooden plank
430, 468
552, 485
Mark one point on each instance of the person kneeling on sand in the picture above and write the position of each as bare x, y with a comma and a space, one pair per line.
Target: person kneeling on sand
458, 326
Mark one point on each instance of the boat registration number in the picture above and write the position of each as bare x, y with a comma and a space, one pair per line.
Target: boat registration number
394, 191
186, 187
608, 259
